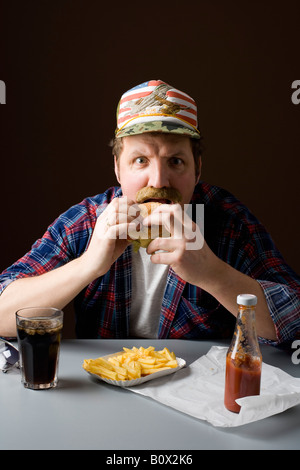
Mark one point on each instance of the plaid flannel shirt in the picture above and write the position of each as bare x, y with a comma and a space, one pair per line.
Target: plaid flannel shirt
103, 308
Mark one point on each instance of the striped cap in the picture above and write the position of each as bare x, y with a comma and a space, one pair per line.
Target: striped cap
155, 106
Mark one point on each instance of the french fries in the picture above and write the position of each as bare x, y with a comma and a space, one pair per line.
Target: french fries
132, 363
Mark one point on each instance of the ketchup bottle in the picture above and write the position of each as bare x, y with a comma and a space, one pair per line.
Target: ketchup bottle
243, 359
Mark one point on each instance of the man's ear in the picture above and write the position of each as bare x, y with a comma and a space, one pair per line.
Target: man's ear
117, 173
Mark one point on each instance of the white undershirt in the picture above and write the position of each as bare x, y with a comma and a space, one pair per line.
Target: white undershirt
148, 286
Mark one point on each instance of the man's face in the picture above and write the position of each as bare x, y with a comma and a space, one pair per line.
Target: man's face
159, 161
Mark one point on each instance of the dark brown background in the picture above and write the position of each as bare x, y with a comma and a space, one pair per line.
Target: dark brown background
66, 63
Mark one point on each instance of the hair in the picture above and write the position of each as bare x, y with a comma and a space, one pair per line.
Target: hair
196, 144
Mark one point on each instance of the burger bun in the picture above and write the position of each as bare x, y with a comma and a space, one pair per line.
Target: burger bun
147, 234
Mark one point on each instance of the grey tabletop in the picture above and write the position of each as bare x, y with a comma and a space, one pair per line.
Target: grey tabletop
83, 413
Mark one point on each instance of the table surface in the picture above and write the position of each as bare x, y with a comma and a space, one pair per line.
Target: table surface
83, 413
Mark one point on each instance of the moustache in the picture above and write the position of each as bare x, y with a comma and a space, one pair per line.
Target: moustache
170, 194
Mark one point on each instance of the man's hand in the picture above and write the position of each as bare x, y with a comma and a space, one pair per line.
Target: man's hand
109, 239
185, 250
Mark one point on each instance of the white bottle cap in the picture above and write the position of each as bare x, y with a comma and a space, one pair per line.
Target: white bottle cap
246, 299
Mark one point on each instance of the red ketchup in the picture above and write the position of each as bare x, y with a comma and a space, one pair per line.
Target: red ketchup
243, 359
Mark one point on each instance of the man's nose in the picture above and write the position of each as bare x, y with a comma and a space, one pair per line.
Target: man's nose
159, 176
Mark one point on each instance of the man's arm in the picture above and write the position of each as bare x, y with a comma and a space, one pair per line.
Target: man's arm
227, 283
205, 270
202, 268
59, 286
55, 288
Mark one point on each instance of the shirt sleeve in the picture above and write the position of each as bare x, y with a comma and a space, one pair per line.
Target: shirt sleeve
260, 259
284, 307
64, 240
239, 239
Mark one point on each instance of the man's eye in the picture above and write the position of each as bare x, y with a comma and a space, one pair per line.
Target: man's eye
140, 160
176, 161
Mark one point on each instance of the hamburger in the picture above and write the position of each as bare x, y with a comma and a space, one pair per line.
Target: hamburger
148, 200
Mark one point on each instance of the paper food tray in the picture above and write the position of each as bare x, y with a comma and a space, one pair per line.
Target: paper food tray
141, 380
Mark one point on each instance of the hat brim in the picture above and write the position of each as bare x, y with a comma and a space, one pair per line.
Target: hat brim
158, 126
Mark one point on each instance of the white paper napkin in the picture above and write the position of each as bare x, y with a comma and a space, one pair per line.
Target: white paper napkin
198, 390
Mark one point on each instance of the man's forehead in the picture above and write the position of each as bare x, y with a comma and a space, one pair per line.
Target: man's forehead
155, 141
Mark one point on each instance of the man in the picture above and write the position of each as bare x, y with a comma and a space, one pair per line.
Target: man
168, 289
